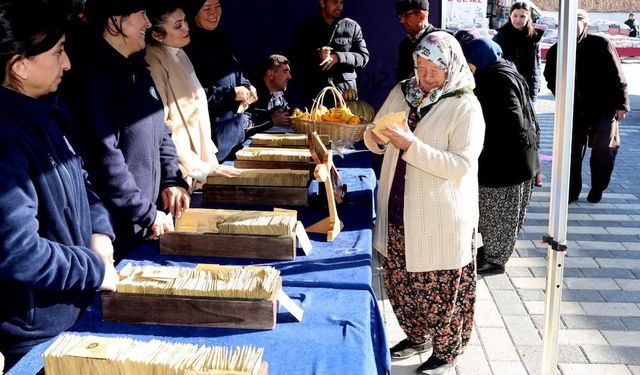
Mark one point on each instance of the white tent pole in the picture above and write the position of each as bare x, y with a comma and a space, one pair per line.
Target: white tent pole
557, 238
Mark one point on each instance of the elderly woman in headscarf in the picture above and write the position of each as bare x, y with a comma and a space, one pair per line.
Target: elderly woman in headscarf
509, 158
427, 207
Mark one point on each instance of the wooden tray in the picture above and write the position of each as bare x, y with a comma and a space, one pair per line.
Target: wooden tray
229, 245
261, 140
263, 164
189, 311
269, 195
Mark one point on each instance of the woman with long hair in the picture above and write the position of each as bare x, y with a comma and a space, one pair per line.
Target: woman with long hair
520, 43
185, 102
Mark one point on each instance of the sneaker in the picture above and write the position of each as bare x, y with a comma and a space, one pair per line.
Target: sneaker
435, 366
405, 349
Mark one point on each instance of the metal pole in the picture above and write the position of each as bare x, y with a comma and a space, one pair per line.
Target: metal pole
565, 82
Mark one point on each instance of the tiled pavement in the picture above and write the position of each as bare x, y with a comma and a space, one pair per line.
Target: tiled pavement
600, 312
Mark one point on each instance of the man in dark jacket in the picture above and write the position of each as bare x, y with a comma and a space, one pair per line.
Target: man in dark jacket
600, 102
414, 17
328, 49
272, 108
633, 25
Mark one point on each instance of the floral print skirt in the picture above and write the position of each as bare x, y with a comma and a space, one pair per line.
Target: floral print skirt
502, 212
436, 304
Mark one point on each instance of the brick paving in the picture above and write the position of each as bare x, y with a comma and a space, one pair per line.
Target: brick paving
600, 312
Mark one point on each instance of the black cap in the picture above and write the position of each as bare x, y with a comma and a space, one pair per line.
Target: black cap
407, 5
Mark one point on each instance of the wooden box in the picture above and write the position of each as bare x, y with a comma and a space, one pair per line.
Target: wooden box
267, 195
269, 164
275, 158
189, 311
229, 245
288, 140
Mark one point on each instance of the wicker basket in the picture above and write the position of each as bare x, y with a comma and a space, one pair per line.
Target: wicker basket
337, 132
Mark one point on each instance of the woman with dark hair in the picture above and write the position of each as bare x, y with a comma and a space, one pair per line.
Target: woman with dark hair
185, 102
229, 92
119, 119
55, 235
520, 43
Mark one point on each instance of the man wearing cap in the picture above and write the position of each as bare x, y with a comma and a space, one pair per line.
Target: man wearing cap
600, 103
414, 17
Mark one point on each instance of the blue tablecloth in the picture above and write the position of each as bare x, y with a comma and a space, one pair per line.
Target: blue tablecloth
342, 333
345, 262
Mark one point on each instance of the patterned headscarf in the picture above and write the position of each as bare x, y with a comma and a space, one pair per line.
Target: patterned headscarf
443, 50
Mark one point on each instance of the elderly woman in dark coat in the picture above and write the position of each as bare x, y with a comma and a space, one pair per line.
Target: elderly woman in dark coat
509, 159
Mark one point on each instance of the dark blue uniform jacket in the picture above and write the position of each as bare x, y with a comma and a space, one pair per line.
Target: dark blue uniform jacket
121, 134
48, 274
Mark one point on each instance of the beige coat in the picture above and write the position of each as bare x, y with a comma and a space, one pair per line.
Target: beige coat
441, 188
185, 109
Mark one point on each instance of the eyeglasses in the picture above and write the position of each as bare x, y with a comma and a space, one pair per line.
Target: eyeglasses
407, 14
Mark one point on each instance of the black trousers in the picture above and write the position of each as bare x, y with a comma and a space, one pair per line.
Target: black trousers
601, 134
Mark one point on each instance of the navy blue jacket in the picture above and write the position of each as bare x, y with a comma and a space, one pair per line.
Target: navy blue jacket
123, 139
219, 74
48, 273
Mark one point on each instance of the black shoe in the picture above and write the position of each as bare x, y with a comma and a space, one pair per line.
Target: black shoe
594, 196
405, 349
480, 254
573, 198
487, 268
434, 366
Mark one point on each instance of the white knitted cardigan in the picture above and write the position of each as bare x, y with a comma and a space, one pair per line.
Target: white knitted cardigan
441, 187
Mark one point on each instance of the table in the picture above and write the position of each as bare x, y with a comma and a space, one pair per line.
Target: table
342, 331
345, 262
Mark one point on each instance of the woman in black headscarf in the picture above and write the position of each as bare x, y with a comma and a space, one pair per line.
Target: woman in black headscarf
509, 158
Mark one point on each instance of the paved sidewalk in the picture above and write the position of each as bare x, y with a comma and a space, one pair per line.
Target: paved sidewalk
600, 312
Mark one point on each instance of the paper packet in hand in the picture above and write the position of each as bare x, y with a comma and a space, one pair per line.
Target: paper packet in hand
242, 107
386, 121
